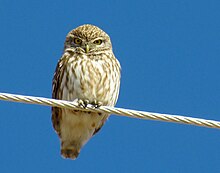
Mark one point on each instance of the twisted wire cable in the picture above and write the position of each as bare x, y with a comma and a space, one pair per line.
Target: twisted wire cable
111, 110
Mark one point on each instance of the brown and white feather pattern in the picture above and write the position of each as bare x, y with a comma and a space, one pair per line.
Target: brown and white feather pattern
92, 76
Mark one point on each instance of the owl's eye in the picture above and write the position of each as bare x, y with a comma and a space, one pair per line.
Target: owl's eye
98, 42
77, 41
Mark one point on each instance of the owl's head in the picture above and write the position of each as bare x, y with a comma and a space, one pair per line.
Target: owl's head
88, 39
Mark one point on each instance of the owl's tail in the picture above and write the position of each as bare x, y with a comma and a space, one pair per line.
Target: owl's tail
70, 152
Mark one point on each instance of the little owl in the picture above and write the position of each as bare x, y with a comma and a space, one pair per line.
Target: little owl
89, 73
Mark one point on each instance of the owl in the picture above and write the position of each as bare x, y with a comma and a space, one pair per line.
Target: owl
88, 73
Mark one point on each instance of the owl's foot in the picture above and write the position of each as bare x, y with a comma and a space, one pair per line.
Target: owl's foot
83, 103
96, 104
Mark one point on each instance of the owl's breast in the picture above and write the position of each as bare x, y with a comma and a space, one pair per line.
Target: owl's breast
91, 80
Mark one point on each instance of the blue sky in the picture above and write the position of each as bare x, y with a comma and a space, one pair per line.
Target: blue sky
169, 53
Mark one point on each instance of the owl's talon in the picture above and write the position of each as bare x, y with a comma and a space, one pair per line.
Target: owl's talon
96, 104
83, 103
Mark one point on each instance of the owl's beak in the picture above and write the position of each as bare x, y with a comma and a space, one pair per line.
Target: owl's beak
87, 48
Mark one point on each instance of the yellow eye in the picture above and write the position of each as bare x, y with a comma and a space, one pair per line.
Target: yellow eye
77, 41
98, 42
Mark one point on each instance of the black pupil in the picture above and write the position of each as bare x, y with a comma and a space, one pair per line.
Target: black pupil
77, 40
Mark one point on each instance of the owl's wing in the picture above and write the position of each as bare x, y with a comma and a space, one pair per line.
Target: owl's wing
56, 94
105, 117
97, 129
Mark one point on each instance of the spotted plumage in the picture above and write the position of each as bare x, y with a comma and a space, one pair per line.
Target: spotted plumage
87, 71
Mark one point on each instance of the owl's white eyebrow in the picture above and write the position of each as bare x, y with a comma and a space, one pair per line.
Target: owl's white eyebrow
71, 35
99, 38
